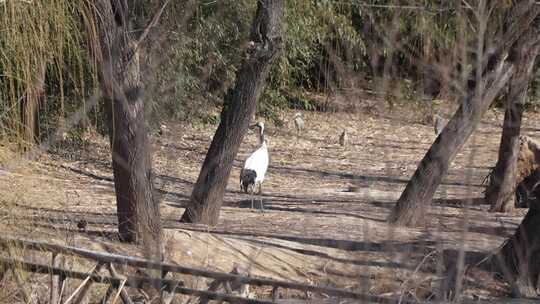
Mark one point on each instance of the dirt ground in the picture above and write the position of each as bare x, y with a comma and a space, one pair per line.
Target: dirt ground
325, 204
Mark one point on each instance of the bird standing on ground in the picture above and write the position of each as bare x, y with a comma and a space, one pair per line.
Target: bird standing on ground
252, 175
343, 138
81, 224
298, 123
438, 124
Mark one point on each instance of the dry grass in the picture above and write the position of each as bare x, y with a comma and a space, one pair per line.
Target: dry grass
315, 229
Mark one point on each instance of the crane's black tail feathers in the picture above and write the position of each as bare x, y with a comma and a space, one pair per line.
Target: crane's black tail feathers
247, 178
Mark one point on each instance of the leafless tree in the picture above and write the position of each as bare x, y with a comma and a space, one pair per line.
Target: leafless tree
502, 186
518, 258
490, 75
117, 58
239, 106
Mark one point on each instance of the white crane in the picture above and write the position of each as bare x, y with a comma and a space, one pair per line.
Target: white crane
252, 175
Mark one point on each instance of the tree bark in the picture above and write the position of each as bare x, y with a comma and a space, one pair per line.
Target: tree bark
502, 186
518, 258
118, 71
411, 208
238, 108
412, 205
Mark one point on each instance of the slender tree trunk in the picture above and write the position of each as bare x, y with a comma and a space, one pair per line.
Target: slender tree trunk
118, 70
32, 100
412, 205
502, 186
430, 81
239, 106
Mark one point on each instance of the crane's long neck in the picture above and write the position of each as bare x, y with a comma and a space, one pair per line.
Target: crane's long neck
261, 136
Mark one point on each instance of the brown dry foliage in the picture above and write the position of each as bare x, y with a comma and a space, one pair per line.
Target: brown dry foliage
528, 159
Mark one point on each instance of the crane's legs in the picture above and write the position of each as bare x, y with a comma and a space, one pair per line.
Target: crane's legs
252, 195
260, 197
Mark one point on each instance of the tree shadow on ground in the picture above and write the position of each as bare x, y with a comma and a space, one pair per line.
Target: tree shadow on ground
310, 252
62, 211
347, 245
477, 270
364, 178
109, 235
459, 202
314, 200
267, 206
158, 177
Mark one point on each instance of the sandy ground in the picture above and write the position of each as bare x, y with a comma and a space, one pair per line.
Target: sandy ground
326, 204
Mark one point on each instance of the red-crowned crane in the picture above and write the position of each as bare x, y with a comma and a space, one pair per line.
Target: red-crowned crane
252, 175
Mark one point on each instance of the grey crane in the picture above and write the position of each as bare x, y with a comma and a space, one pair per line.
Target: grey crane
298, 122
438, 124
343, 138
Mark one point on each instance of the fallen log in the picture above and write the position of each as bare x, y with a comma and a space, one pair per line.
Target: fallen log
143, 263
131, 281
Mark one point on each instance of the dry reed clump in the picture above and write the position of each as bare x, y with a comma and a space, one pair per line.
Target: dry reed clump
39, 38
528, 158
8, 156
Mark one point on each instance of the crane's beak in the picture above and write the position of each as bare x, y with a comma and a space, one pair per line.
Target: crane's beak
253, 126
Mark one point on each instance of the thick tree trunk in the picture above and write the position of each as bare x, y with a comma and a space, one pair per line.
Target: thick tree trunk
239, 106
412, 205
502, 186
118, 68
518, 259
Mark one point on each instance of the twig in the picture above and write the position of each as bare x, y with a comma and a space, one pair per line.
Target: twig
149, 26
55, 280
403, 285
84, 285
275, 294
20, 284
107, 295
62, 283
121, 291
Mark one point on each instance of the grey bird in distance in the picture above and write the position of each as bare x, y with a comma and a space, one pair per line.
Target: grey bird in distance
343, 138
298, 122
438, 124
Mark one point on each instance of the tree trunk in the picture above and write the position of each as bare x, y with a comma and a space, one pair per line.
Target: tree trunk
502, 186
429, 77
30, 103
412, 205
118, 71
238, 108
518, 259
